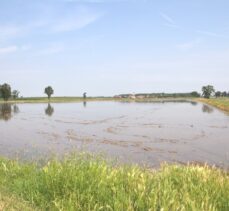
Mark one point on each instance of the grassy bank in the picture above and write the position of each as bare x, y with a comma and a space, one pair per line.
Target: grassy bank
221, 103
13, 203
55, 99
88, 99
83, 182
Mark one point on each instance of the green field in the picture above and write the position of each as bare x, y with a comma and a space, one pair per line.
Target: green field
221, 103
84, 182
13, 203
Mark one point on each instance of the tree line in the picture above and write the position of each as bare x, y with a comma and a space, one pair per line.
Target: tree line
207, 91
6, 92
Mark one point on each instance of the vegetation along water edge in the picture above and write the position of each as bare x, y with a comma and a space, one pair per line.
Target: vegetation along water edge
85, 182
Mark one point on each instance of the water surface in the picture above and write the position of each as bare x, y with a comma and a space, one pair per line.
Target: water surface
148, 133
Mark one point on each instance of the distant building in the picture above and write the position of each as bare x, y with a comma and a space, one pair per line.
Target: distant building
140, 96
117, 96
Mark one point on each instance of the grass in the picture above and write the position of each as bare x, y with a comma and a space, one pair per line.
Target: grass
221, 103
54, 99
13, 203
84, 182
80, 99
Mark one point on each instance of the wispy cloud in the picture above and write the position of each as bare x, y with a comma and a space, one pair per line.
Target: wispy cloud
53, 49
9, 49
211, 34
9, 31
167, 18
189, 45
14, 49
169, 21
74, 23
54, 21
97, 1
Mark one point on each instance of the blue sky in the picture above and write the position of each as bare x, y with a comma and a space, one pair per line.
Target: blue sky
107, 47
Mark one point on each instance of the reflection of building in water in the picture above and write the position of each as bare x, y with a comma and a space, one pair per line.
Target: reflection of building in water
6, 111
207, 109
49, 110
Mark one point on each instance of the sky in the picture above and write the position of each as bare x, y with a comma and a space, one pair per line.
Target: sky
108, 47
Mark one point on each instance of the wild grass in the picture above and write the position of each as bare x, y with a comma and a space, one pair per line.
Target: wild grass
221, 103
13, 203
80, 99
54, 99
83, 182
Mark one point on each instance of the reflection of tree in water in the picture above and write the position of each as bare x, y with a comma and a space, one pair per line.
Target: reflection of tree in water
207, 109
49, 110
193, 103
6, 111
84, 104
16, 109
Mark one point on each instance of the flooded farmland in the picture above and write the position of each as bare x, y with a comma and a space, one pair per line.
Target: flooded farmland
144, 133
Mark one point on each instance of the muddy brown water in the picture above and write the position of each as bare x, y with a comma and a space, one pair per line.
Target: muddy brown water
143, 133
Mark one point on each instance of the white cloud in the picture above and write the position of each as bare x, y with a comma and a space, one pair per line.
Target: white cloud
170, 22
13, 49
9, 49
211, 34
9, 31
189, 45
51, 50
25, 47
167, 18
74, 23
97, 1
54, 21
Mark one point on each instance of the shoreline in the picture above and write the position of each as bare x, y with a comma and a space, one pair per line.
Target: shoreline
219, 103
87, 182
90, 99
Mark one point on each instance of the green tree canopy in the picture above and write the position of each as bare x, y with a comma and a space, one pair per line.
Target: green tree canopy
5, 91
195, 94
218, 94
15, 94
208, 91
49, 91
85, 95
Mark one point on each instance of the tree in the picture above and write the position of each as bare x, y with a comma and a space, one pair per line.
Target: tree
84, 95
15, 94
195, 94
224, 94
5, 91
218, 94
208, 91
49, 91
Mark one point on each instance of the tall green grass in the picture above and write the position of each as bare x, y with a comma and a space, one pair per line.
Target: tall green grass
221, 103
82, 182
13, 203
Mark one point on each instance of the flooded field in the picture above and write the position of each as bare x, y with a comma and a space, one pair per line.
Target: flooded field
145, 133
